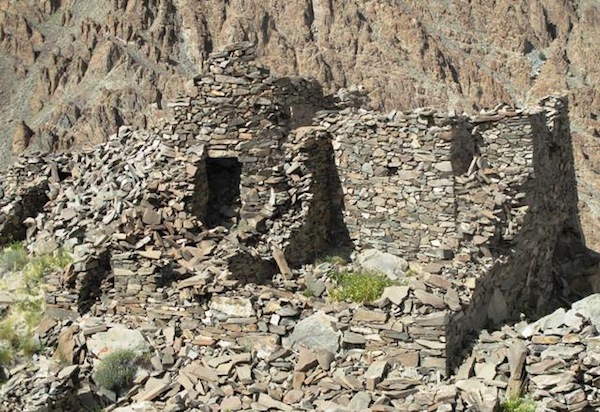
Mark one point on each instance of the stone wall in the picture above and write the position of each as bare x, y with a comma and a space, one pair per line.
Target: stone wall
397, 177
477, 201
429, 187
480, 201
125, 210
19, 201
533, 163
242, 113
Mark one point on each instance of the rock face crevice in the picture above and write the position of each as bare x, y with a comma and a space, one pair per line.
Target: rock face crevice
475, 204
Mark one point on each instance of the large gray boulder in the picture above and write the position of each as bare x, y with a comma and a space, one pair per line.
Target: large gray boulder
381, 262
317, 331
589, 308
117, 338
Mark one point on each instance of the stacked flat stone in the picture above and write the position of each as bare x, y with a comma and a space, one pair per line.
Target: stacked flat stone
23, 192
264, 346
476, 205
398, 183
128, 198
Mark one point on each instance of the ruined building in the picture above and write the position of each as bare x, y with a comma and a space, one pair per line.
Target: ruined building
255, 164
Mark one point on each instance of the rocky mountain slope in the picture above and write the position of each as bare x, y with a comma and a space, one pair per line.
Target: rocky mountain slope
73, 70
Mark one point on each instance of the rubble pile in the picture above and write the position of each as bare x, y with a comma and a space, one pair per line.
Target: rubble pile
267, 348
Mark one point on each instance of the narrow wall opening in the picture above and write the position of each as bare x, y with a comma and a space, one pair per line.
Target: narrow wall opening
31, 202
224, 177
93, 281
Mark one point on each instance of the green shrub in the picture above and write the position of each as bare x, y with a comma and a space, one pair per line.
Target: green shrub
520, 404
17, 330
30, 346
14, 257
308, 292
117, 370
8, 331
39, 266
6, 355
359, 287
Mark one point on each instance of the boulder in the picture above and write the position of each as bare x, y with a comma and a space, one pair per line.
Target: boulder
589, 307
117, 338
232, 306
21, 138
376, 261
317, 331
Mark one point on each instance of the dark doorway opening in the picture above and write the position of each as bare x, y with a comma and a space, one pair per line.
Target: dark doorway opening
224, 176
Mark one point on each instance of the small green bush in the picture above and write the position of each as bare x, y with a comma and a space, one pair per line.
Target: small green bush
8, 331
6, 354
520, 404
30, 346
17, 330
359, 287
308, 292
117, 370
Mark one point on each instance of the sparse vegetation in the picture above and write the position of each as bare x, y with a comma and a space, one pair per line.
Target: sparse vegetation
13, 258
37, 267
117, 370
308, 292
359, 287
17, 327
520, 404
333, 259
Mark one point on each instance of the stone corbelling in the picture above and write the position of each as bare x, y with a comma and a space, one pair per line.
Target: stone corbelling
476, 204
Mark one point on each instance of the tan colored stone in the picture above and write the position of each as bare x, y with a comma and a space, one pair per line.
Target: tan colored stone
66, 345
22, 138
306, 360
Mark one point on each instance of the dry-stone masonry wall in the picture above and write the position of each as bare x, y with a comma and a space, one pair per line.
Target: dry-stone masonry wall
486, 197
257, 172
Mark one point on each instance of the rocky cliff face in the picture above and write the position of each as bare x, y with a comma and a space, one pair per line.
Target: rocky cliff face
74, 70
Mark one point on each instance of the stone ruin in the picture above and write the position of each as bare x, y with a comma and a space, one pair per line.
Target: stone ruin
257, 173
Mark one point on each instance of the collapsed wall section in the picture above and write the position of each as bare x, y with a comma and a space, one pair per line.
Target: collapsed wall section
24, 190
130, 212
